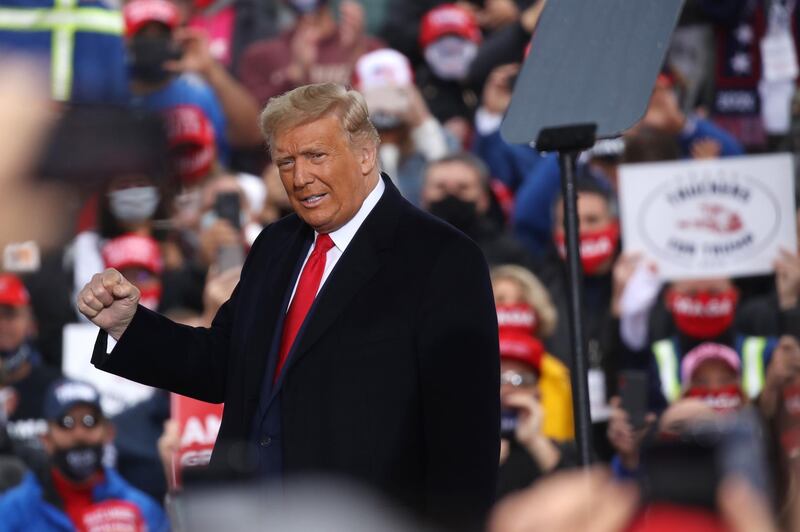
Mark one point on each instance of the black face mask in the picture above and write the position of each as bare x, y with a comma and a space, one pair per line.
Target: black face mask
80, 462
459, 213
10, 361
147, 58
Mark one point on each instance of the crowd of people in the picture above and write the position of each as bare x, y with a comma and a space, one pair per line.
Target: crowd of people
717, 360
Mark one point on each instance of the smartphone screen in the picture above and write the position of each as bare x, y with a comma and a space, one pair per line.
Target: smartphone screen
633, 391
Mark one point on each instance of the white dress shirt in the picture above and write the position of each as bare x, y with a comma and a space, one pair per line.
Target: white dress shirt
343, 236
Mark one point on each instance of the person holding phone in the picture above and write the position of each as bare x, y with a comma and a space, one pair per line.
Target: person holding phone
526, 453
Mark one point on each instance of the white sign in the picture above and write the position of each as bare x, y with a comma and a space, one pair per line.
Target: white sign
709, 218
116, 393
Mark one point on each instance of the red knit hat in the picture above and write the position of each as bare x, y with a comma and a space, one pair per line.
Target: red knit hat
448, 19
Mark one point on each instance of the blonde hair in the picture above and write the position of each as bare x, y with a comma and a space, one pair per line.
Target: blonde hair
312, 102
533, 292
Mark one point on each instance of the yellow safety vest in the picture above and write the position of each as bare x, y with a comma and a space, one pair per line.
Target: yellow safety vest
669, 363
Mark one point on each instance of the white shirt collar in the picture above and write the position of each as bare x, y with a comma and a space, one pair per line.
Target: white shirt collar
342, 236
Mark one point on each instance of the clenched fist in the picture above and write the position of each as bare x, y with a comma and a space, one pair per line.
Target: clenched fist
109, 301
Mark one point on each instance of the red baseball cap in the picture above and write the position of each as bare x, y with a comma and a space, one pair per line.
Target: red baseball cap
133, 251
140, 12
516, 345
191, 139
12, 292
448, 19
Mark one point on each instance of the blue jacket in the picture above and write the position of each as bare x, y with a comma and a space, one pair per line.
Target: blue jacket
81, 42
24, 507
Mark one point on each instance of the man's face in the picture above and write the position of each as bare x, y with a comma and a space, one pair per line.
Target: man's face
593, 213
325, 177
15, 326
81, 425
454, 179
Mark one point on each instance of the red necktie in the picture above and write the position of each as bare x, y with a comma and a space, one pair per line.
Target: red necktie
304, 296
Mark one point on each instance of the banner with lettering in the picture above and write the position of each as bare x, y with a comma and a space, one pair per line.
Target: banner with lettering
709, 218
198, 425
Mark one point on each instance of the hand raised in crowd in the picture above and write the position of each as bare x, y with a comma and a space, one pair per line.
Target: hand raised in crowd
109, 301
623, 437
744, 509
196, 56
218, 289
787, 279
497, 13
623, 270
351, 23
417, 111
586, 501
212, 238
530, 416
784, 366
705, 149
304, 47
497, 90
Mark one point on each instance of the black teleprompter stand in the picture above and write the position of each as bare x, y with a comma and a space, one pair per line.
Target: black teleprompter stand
589, 76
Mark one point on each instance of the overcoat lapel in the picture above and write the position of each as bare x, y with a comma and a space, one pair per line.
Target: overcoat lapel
359, 263
269, 299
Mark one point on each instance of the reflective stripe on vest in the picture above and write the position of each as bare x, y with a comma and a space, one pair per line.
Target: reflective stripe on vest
63, 20
667, 360
752, 358
753, 349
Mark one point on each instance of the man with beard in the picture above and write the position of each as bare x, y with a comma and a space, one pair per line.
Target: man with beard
75, 491
456, 189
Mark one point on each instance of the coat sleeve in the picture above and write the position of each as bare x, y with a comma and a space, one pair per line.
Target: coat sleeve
459, 368
191, 361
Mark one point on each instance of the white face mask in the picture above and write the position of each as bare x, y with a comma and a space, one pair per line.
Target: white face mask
134, 204
450, 57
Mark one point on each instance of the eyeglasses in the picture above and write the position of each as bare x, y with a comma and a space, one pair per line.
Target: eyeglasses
89, 421
516, 379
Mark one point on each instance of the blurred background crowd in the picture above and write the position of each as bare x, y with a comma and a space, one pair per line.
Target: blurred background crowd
131, 141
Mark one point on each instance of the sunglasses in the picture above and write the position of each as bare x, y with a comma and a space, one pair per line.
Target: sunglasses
68, 422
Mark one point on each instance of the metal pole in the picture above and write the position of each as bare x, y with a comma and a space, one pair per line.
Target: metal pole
579, 371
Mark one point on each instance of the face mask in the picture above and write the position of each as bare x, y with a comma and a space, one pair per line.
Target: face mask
302, 7
80, 462
134, 204
518, 317
597, 247
151, 297
727, 399
450, 57
10, 361
459, 213
147, 58
702, 315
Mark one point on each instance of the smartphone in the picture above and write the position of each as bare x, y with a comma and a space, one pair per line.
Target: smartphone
633, 391
508, 423
228, 207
